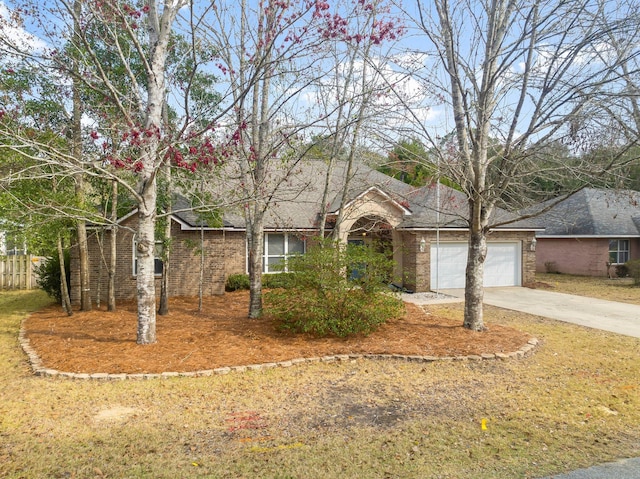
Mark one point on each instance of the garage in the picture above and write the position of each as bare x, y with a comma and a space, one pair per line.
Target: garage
501, 268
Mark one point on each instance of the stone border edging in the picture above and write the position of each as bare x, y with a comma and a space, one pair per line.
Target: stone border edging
40, 370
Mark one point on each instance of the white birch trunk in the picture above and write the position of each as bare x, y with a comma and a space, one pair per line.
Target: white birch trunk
145, 279
159, 34
64, 287
113, 258
256, 246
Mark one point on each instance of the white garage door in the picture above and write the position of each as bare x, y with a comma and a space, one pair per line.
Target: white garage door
501, 268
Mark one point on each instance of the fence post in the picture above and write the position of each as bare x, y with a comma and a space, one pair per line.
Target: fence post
17, 271
13, 271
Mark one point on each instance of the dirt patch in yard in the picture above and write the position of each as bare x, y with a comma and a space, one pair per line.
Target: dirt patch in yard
99, 341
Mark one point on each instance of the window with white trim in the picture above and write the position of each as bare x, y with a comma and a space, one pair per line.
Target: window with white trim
618, 251
157, 258
277, 248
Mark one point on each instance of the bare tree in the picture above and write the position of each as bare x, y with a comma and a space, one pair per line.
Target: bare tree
512, 78
129, 103
76, 149
349, 92
623, 110
269, 52
275, 56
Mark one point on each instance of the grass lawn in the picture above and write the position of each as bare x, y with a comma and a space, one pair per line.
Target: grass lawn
617, 289
574, 403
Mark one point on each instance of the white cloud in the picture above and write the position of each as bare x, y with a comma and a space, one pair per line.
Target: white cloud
15, 36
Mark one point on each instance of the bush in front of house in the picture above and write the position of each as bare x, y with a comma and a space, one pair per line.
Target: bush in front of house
237, 282
622, 271
633, 269
48, 275
336, 290
551, 267
278, 280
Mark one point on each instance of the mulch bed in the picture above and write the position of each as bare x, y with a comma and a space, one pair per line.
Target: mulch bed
222, 335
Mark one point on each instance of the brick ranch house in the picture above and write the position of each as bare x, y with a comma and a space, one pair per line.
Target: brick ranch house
590, 233
425, 229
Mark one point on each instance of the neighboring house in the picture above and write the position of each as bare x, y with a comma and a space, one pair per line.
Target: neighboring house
428, 242
590, 233
11, 245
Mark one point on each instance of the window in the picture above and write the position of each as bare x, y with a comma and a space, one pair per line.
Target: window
618, 251
157, 260
277, 247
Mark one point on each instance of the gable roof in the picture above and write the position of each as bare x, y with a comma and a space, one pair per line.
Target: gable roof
381, 193
444, 207
594, 212
296, 205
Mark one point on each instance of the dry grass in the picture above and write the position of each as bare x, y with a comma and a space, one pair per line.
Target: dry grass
574, 403
617, 289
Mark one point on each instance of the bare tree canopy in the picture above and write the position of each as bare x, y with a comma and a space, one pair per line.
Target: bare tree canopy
512, 100
516, 95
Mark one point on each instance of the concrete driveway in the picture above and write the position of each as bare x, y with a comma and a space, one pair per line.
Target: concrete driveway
611, 316
621, 318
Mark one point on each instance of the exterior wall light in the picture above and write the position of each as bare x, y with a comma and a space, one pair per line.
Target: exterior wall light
423, 245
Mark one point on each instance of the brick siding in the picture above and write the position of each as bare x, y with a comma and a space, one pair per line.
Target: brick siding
225, 255
582, 256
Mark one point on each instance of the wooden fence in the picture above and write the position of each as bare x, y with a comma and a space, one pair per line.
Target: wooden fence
18, 271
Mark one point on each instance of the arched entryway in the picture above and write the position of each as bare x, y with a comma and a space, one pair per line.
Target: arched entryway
372, 218
374, 232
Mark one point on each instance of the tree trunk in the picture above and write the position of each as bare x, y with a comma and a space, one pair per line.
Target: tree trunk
256, 246
145, 247
159, 31
100, 239
163, 308
474, 290
85, 287
325, 195
201, 278
260, 124
113, 257
64, 287
76, 146
145, 278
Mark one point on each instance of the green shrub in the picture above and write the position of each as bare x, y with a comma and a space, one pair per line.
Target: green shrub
622, 271
336, 291
633, 269
49, 275
278, 280
236, 282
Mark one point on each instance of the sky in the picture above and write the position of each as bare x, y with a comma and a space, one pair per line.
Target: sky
427, 89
